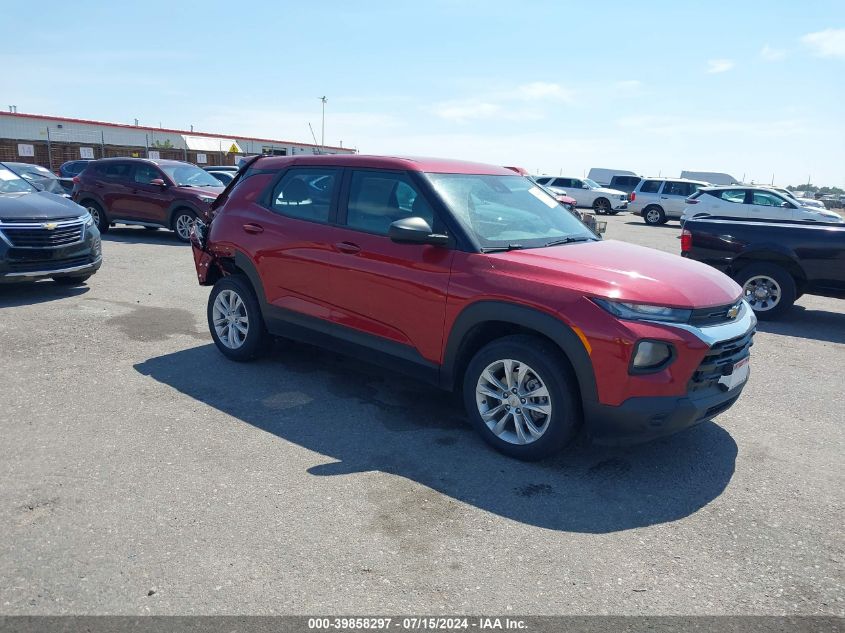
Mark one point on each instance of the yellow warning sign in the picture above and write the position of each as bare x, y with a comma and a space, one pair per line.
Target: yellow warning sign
234, 149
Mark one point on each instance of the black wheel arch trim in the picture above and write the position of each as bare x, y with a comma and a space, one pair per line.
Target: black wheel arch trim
526, 317
178, 205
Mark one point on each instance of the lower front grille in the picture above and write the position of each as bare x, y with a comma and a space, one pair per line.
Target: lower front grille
47, 266
719, 361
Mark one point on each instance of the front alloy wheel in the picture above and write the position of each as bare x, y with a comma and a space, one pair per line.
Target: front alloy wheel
601, 206
521, 396
513, 401
183, 224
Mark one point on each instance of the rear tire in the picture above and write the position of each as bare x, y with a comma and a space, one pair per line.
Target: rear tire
769, 289
235, 320
101, 221
654, 215
602, 206
515, 422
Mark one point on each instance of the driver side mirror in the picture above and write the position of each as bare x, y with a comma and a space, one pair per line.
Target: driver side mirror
585, 186
415, 231
158, 182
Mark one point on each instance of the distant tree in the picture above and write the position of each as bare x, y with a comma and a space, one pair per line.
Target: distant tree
162, 144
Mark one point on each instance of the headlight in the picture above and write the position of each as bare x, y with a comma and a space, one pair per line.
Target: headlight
207, 199
89, 221
651, 355
640, 312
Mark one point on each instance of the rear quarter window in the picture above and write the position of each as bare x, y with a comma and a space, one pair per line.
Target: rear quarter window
650, 186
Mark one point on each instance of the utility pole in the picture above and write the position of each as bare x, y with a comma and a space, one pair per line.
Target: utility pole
323, 133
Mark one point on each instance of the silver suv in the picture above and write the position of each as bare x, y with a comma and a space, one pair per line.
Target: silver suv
659, 200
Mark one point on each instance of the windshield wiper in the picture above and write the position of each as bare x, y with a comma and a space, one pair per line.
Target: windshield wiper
501, 249
570, 240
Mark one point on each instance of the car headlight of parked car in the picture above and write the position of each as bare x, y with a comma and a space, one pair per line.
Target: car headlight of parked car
640, 311
87, 219
207, 199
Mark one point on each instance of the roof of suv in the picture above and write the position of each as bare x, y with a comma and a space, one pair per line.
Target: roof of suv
695, 182
434, 165
154, 161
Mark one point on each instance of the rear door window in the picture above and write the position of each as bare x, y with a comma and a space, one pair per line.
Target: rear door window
117, 171
650, 186
306, 193
737, 196
562, 182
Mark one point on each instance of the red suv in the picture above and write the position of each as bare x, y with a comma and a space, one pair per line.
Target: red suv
472, 278
151, 193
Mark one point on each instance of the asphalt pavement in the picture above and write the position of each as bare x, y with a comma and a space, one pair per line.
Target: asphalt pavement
143, 473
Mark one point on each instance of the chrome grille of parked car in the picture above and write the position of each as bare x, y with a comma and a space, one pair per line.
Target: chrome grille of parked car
720, 360
44, 234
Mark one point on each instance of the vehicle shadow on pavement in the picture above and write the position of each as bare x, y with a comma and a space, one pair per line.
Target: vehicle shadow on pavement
140, 235
371, 420
29, 293
818, 325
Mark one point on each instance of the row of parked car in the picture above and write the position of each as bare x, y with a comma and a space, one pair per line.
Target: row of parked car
658, 200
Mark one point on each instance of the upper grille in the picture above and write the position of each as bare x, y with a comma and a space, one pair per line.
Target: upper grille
711, 316
37, 235
719, 361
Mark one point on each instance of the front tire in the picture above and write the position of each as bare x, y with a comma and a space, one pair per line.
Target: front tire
101, 221
769, 289
183, 221
520, 395
654, 215
234, 319
601, 206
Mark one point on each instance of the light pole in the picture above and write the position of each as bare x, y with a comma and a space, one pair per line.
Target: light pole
323, 132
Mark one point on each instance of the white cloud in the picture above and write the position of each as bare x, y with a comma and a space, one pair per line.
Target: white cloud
770, 54
719, 65
461, 111
502, 105
827, 43
542, 90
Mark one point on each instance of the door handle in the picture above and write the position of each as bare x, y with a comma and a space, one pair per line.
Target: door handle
249, 227
348, 248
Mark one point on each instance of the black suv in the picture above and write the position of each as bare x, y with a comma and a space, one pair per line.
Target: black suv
44, 235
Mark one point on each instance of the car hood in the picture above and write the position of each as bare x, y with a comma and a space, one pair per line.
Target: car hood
623, 272
209, 191
37, 206
612, 192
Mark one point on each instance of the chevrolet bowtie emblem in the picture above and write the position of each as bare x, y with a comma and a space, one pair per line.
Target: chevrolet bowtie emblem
733, 312
50, 225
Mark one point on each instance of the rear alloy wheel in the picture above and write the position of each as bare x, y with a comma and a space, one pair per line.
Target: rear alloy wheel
654, 215
601, 206
234, 319
183, 222
519, 394
98, 215
769, 289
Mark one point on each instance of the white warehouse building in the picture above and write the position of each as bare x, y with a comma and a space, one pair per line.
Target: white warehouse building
50, 141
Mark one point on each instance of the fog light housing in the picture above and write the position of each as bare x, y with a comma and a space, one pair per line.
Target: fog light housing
650, 356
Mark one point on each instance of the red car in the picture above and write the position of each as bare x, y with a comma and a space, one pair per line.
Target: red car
469, 277
152, 193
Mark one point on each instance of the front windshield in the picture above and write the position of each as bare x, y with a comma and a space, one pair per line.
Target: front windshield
190, 176
592, 183
507, 211
12, 183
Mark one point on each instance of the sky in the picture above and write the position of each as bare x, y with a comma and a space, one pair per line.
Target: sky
755, 89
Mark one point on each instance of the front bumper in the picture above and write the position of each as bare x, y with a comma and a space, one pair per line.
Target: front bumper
29, 263
619, 205
642, 418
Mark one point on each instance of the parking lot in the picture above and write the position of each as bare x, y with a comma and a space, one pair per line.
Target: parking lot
144, 473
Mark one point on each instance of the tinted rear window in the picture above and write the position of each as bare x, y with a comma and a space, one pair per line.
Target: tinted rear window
650, 186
